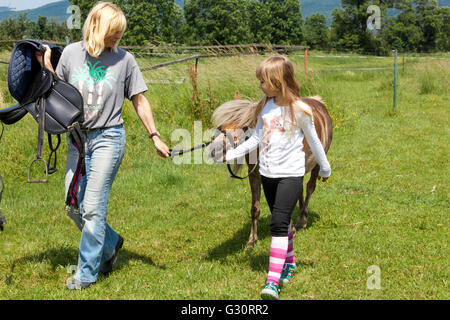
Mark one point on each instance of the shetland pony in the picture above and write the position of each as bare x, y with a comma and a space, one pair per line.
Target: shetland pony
232, 116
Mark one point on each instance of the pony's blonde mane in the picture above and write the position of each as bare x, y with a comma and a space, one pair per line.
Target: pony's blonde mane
240, 113
236, 114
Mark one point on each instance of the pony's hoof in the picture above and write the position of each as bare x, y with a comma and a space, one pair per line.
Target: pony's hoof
251, 244
300, 226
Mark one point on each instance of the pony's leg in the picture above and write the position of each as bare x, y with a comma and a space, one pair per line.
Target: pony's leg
301, 221
255, 185
310, 187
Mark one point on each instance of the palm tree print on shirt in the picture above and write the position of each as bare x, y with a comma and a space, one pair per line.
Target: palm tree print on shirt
95, 76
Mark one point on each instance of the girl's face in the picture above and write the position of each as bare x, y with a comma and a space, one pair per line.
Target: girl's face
267, 89
112, 40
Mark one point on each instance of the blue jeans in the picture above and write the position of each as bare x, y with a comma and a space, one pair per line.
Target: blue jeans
104, 152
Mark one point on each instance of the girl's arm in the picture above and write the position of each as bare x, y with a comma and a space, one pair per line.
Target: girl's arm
248, 146
307, 126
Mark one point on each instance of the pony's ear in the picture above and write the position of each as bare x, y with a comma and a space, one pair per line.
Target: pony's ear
237, 95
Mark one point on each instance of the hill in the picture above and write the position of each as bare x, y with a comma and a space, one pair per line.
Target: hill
324, 7
57, 10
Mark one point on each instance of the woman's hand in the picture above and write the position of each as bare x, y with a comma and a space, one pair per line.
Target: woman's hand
323, 179
161, 148
47, 57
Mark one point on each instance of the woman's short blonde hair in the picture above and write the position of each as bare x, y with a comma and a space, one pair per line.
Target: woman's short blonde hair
104, 20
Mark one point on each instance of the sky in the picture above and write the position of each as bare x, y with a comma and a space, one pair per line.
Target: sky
25, 4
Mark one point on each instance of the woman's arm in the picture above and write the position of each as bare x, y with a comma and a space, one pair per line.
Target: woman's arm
144, 111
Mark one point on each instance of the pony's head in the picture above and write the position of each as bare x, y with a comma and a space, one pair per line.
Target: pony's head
234, 121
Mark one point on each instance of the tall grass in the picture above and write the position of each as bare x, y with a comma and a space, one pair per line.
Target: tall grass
185, 226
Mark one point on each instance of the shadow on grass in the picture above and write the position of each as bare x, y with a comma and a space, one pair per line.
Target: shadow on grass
65, 256
312, 218
237, 243
239, 240
126, 256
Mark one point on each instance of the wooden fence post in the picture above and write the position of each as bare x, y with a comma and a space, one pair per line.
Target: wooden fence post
306, 64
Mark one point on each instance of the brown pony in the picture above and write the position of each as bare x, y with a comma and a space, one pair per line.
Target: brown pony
234, 115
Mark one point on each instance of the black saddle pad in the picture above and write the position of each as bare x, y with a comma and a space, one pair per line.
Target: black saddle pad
23, 66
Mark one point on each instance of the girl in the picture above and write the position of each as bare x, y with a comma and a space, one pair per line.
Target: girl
104, 74
282, 121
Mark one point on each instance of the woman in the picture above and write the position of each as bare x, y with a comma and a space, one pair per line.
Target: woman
104, 74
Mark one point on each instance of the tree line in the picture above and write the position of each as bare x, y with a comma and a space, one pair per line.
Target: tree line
417, 26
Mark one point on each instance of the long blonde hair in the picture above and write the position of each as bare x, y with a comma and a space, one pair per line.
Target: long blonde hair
278, 72
104, 19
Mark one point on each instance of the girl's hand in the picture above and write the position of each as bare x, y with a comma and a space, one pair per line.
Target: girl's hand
161, 148
323, 179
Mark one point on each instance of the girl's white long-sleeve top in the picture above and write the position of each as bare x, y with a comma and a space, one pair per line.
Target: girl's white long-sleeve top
281, 150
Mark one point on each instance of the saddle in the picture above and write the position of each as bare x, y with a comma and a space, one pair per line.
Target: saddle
56, 105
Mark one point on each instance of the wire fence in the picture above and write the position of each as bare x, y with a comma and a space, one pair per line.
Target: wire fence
155, 57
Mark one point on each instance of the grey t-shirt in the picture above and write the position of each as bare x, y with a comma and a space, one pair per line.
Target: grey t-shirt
104, 82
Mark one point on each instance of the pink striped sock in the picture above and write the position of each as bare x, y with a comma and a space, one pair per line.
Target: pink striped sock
278, 250
290, 259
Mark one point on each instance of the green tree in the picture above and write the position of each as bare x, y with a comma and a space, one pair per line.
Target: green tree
57, 31
212, 22
349, 30
260, 27
39, 29
16, 27
402, 32
420, 26
171, 21
443, 38
148, 21
285, 21
429, 23
316, 31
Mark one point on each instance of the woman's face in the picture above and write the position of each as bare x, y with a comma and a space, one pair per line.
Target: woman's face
112, 40
267, 89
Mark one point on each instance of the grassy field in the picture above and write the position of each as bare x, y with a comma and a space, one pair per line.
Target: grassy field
185, 226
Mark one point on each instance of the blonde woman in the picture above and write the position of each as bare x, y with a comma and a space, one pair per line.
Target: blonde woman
105, 75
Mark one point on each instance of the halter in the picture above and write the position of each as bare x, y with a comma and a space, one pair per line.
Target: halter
219, 130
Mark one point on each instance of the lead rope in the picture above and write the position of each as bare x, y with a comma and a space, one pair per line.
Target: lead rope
76, 136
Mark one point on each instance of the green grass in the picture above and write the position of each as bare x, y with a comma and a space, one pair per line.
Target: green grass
185, 226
